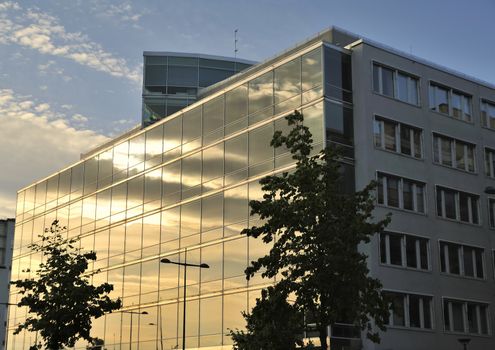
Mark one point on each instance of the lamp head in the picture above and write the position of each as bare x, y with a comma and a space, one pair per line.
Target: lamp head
144, 313
204, 266
165, 261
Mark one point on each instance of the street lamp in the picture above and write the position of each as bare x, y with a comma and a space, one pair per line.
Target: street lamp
185, 264
490, 190
133, 313
464, 342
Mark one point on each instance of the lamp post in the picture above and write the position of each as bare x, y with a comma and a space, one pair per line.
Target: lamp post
464, 342
133, 313
186, 265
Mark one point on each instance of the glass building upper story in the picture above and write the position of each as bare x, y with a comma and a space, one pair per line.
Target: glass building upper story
172, 80
184, 183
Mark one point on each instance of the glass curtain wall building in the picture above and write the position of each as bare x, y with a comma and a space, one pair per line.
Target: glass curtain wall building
185, 183
172, 80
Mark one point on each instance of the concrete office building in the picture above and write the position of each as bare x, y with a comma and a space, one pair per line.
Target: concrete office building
6, 242
425, 133
172, 80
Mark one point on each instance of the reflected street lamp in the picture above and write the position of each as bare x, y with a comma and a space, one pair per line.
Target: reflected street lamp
185, 264
464, 342
133, 313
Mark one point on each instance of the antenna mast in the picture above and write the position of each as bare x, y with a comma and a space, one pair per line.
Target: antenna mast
235, 50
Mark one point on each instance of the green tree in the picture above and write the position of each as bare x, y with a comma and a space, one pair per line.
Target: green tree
60, 298
273, 324
317, 228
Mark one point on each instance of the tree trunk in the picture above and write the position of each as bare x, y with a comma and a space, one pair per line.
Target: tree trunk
323, 338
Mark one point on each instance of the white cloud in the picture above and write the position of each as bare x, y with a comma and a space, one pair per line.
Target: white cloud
123, 12
79, 118
40, 31
36, 141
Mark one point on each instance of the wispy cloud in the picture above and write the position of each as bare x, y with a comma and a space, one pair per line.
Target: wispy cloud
36, 140
123, 12
44, 33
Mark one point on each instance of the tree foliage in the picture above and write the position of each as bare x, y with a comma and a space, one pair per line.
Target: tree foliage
273, 324
317, 228
60, 298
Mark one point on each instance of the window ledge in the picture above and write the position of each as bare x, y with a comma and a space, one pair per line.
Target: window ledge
459, 221
422, 159
396, 99
454, 168
464, 277
451, 117
398, 267
413, 329
401, 210
469, 334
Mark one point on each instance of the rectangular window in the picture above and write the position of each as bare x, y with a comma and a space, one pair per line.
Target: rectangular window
490, 162
402, 193
457, 205
410, 310
3, 246
396, 84
404, 250
454, 153
465, 316
488, 114
398, 137
462, 260
491, 211
451, 102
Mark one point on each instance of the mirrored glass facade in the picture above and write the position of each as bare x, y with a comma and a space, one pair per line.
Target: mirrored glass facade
179, 189
171, 81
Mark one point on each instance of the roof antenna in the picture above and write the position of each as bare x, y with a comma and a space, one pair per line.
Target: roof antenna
235, 50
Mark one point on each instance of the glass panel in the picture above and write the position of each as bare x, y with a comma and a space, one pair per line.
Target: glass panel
446, 145
398, 310
378, 132
390, 136
456, 105
402, 87
468, 261
414, 311
191, 175
427, 312
478, 259
170, 225
287, 80
171, 183
393, 192
213, 118
154, 146
420, 199
407, 195
383, 248
457, 316
405, 140
313, 119
464, 206
233, 305
395, 249
192, 125
213, 256
136, 154
235, 257
211, 319
411, 252
213, 167
441, 100
172, 134
459, 155
259, 147
212, 213
387, 82
90, 175
236, 205
236, 104
454, 263
376, 78
120, 161
417, 143
423, 249
450, 209
190, 218
312, 74
261, 94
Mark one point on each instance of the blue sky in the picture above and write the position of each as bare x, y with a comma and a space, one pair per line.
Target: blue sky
70, 71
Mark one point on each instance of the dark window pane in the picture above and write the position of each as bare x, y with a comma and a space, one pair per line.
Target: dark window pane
427, 312
378, 132
405, 140
182, 76
395, 249
443, 260
393, 191
414, 311
478, 254
446, 145
472, 316
464, 206
454, 263
398, 310
380, 189
210, 76
423, 249
411, 251
450, 211
383, 248
387, 82
155, 75
457, 316
376, 78
390, 141
468, 261
407, 194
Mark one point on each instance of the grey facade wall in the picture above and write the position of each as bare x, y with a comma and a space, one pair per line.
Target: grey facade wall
370, 159
7, 230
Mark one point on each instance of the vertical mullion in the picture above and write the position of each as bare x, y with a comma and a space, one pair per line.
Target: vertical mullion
473, 261
418, 255
411, 141
451, 316
421, 313
414, 194
405, 298
403, 251
446, 255
470, 209
460, 255
385, 190
387, 249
